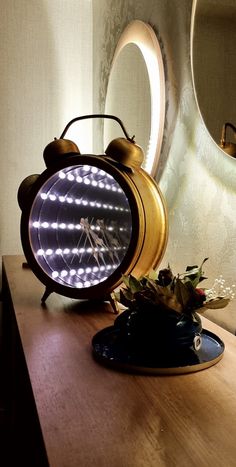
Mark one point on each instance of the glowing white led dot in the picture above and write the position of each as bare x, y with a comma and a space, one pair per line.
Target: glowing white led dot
54, 225
86, 168
62, 175
62, 225
58, 251
52, 197
87, 284
40, 252
64, 273
49, 251
77, 201
62, 199
95, 282
75, 251
94, 183
70, 177
69, 200
119, 190
92, 204
78, 226
87, 181
71, 226
114, 188
95, 269
85, 202
94, 170
81, 250
66, 251
55, 274
101, 185
101, 172
80, 271
36, 224
79, 179
110, 206
108, 187
72, 272
102, 268
79, 285
104, 206
98, 205
45, 225
108, 267
44, 195
88, 270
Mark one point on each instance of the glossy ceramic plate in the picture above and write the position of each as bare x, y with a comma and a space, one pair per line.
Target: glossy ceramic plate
110, 350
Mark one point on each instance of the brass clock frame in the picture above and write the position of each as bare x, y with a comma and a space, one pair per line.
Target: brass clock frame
148, 212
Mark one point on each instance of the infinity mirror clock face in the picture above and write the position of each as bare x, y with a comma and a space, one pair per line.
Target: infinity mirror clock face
80, 226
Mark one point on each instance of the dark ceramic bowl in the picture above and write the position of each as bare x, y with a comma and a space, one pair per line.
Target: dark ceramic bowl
159, 329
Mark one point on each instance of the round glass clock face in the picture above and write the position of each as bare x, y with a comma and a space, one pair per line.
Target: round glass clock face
80, 226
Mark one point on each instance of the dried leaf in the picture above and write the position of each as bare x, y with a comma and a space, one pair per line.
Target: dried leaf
134, 284
216, 303
182, 292
152, 275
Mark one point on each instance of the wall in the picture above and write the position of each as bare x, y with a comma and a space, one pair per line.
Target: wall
196, 178
46, 80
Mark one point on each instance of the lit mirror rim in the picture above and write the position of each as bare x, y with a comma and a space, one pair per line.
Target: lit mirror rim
143, 35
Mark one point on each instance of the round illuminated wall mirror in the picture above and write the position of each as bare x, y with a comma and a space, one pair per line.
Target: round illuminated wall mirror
88, 219
213, 55
136, 90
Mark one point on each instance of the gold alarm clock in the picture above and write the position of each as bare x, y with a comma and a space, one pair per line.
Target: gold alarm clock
87, 220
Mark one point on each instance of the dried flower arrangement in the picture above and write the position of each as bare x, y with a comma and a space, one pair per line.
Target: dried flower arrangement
163, 307
179, 293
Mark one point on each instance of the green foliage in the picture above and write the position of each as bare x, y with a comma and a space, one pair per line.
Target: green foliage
178, 294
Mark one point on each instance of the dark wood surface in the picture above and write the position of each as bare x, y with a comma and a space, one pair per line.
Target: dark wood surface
90, 415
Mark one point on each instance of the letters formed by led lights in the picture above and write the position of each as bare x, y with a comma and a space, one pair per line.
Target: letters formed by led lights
80, 226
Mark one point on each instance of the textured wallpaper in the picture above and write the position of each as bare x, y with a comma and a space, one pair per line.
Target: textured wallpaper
46, 80
195, 176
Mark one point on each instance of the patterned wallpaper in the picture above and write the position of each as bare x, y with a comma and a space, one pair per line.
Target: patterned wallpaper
195, 176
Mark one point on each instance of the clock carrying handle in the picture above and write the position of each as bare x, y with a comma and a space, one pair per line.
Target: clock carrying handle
84, 117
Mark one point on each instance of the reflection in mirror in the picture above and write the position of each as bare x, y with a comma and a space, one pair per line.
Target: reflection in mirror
136, 91
213, 39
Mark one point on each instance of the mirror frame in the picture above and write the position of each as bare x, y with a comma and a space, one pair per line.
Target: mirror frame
143, 35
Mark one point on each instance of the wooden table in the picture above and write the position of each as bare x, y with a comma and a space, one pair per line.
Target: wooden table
81, 414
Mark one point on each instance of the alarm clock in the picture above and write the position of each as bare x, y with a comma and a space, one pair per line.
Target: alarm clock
88, 219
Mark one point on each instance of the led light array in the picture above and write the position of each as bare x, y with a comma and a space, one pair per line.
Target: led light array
84, 277
91, 176
71, 226
81, 202
80, 271
76, 251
